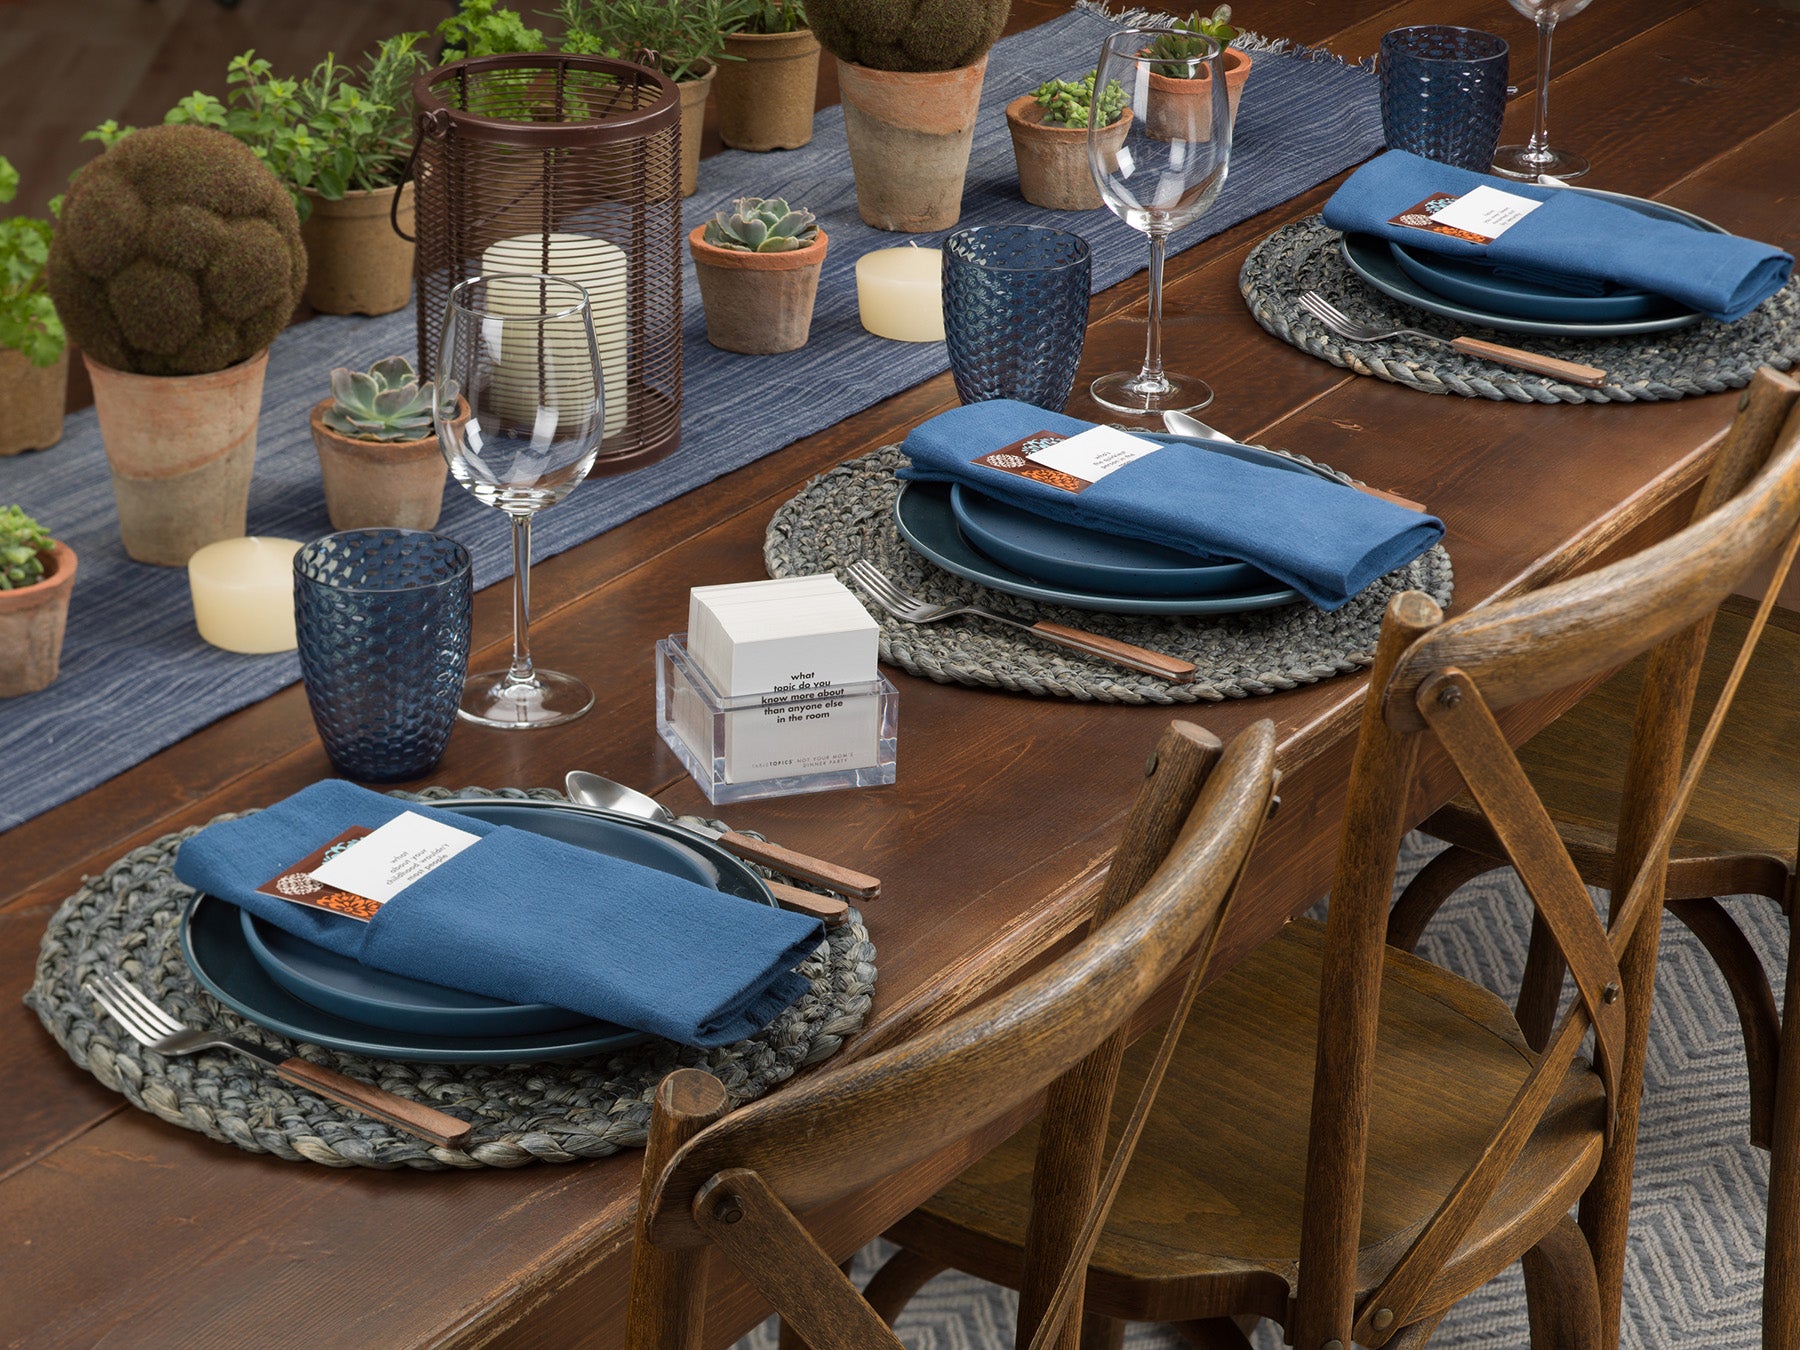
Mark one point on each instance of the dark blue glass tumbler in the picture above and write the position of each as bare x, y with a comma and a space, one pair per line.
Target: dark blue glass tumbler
1015, 312
1443, 93
383, 621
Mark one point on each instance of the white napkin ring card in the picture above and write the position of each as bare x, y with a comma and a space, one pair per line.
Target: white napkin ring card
358, 872
1479, 216
1072, 463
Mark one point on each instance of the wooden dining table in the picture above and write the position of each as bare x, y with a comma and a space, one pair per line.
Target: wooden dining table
118, 1228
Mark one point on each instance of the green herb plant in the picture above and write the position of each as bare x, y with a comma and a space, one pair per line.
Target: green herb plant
762, 225
1065, 103
28, 321
765, 16
683, 35
1180, 43
487, 28
23, 543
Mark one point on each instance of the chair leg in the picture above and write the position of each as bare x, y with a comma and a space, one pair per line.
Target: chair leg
1213, 1333
901, 1276
1415, 1336
1540, 987
1781, 1248
1101, 1333
1749, 984
1562, 1296
1425, 894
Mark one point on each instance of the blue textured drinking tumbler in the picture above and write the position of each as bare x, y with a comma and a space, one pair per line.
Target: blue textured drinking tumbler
1015, 312
1443, 93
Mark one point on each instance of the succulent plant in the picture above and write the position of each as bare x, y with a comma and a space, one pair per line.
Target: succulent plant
178, 253
1065, 103
1179, 44
22, 546
908, 35
762, 225
387, 403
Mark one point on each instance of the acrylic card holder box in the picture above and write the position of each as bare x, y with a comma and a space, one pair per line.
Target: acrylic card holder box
779, 743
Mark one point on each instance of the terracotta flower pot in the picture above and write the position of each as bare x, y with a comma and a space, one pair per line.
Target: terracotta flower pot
375, 484
693, 126
766, 96
31, 401
909, 139
181, 449
32, 620
1053, 161
757, 302
355, 263
1184, 107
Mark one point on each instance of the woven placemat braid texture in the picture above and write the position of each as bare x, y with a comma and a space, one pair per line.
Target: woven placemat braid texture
128, 919
1705, 358
848, 513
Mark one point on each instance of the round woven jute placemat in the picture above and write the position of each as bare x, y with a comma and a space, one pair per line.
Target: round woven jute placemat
1705, 358
128, 919
848, 513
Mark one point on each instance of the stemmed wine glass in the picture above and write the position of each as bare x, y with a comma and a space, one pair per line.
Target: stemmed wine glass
1161, 169
520, 349
1536, 160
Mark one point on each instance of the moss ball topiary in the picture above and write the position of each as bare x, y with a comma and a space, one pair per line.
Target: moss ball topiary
909, 35
178, 253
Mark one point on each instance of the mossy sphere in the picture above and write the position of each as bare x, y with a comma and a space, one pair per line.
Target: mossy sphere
908, 35
178, 253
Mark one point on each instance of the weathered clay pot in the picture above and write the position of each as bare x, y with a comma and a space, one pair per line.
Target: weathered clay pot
355, 263
1053, 161
31, 401
1184, 107
181, 449
766, 96
909, 136
32, 620
693, 91
375, 484
757, 302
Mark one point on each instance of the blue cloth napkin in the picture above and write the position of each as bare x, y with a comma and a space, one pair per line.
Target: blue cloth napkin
529, 919
1324, 539
1572, 233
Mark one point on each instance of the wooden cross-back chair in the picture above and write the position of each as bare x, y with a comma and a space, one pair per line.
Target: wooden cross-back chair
735, 1182
1352, 1139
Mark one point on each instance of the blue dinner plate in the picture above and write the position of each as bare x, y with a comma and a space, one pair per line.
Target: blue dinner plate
213, 939
1059, 554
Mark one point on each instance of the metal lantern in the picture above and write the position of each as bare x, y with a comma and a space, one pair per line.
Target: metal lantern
567, 165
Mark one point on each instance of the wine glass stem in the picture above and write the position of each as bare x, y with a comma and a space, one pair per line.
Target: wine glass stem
1540, 135
1152, 374
522, 671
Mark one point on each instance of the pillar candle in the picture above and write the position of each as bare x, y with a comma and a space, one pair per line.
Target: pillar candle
900, 293
243, 593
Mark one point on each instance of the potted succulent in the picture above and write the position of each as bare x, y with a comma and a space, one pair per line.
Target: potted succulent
910, 89
1050, 140
378, 450
768, 83
1187, 84
177, 261
758, 267
36, 576
34, 359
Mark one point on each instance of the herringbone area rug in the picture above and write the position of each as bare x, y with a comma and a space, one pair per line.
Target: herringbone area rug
1695, 1272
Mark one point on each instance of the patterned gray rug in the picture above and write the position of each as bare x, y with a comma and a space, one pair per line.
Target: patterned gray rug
1695, 1271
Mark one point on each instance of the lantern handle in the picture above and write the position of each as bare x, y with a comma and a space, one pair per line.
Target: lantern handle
433, 123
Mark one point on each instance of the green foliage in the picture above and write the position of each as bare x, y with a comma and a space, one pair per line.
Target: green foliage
22, 546
765, 16
912, 35
683, 35
762, 225
178, 253
1179, 44
28, 321
485, 28
386, 404
1065, 104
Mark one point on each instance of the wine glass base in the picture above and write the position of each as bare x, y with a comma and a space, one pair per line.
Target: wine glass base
1522, 162
493, 699
1129, 392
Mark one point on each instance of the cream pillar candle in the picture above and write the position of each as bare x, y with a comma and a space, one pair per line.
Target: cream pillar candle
900, 293
600, 269
243, 593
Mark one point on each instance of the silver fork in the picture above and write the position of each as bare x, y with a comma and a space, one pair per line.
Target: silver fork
154, 1029
1351, 330
911, 609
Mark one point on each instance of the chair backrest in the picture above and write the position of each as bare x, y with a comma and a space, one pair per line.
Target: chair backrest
736, 1183
1446, 680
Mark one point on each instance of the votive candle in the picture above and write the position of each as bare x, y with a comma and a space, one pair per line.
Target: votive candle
243, 593
900, 293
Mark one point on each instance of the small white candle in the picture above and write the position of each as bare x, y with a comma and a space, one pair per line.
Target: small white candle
243, 593
900, 293
600, 269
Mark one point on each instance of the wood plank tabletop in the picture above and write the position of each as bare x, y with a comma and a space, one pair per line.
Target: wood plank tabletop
115, 1227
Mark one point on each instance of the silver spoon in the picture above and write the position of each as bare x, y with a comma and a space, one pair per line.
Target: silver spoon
590, 789
1180, 424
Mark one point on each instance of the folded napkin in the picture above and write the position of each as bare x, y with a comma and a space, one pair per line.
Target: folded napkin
1572, 234
1325, 540
529, 919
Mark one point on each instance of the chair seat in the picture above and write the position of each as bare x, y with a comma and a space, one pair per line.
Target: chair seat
1208, 1220
1747, 803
